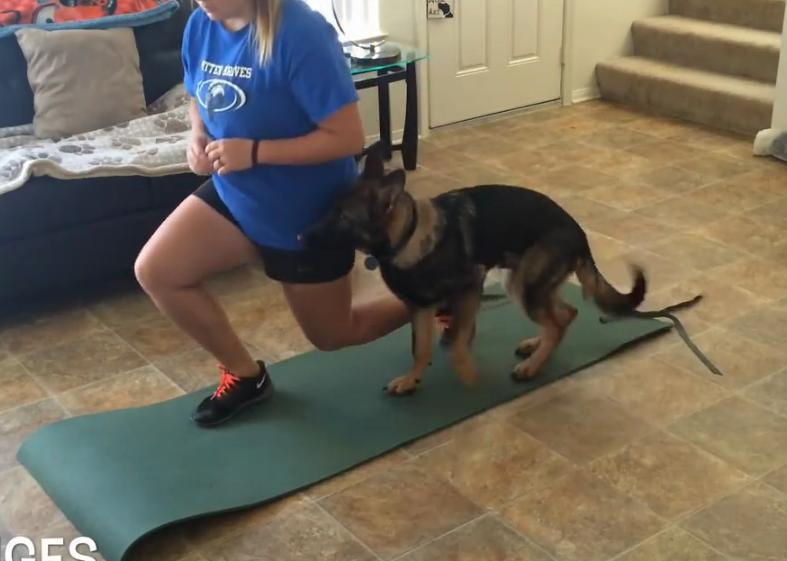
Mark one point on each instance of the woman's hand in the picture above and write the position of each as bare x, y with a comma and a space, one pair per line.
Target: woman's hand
198, 160
230, 154
338, 136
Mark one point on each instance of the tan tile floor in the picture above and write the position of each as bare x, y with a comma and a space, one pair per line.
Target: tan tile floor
645, 457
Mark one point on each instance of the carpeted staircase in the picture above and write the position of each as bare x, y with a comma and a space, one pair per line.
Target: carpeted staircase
709, 61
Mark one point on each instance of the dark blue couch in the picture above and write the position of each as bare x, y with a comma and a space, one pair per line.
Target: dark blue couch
56, 235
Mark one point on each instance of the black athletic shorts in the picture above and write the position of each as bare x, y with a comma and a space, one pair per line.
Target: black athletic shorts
291, 267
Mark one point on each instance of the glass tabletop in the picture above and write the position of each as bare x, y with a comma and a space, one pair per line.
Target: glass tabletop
408, 54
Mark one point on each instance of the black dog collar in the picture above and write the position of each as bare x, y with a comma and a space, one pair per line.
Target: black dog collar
388, 252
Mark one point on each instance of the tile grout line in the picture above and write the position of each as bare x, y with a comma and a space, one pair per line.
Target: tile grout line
708, 545
172, 382
507, 422
774, 489
691, 513
527, 540
746, 253
199, 547
409, 459
132, 347
662, 426
700, 538
441, 536
343, 527
745, 398
584, 469
55, 396
104, 328
484, 513
116, 377
668, 427
625, 552
655, 536
771, 472
149, 362
51, 395
669, 523
750, 479
736, 391
16, 408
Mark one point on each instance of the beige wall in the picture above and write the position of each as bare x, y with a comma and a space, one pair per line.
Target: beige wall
780, 108
601, 30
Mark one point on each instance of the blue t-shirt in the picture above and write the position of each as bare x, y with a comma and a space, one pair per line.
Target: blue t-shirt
306, 80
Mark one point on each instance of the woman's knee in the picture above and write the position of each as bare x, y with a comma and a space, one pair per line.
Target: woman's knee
333, 335
156, 274
324, 313
327, 340
149, 272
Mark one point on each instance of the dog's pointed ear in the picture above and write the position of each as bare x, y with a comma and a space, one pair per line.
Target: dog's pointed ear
373, 166
393, 186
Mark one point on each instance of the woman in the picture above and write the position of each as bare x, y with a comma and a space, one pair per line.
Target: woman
275, 120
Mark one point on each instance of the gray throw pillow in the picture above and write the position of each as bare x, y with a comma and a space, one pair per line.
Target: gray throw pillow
82, 80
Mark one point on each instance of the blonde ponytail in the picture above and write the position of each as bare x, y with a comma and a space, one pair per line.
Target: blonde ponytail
266, 25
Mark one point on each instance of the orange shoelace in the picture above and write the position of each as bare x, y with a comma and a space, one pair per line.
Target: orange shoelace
227, 382
444, 320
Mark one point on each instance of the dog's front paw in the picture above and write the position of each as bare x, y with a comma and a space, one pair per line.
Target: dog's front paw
527, 347
403, 385
469, 377
467, 372
466, 369
524, 371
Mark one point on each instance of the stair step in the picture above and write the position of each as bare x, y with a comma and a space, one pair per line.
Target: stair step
718, 47
717, 100
759, 14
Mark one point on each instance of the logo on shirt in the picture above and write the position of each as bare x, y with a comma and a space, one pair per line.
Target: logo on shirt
218, 96
226, 70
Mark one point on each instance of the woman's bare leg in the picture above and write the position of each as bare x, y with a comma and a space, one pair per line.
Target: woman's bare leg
330, 319
194, 243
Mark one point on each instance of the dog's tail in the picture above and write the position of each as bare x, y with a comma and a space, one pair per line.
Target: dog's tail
607, 297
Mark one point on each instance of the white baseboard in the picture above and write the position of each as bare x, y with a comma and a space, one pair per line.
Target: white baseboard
585, 94
396, 137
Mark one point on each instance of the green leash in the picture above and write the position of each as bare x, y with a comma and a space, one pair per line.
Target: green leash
668, 313
494, 300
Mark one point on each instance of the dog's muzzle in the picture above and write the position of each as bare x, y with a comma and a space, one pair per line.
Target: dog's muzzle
328, 233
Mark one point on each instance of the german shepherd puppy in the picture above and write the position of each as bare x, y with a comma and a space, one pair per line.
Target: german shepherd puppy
435, 254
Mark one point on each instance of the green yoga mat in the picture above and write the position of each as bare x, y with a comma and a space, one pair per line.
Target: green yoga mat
124, 474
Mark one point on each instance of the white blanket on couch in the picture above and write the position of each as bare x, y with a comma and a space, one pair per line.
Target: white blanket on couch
153, 145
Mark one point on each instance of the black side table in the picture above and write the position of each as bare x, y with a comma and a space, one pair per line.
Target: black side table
383, 76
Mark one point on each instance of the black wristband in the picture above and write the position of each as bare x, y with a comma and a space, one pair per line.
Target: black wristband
255, 148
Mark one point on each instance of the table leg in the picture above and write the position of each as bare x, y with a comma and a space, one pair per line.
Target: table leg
384, 112
410, 140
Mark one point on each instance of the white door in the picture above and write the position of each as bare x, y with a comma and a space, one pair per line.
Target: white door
492, 56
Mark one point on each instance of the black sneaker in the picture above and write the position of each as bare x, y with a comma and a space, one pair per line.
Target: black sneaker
232, 396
